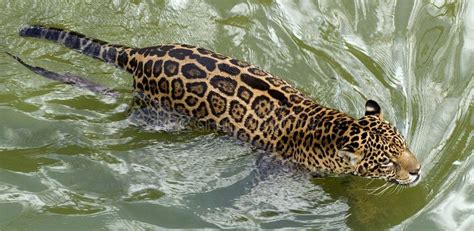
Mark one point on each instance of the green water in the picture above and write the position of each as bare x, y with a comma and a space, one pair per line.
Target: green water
70, 159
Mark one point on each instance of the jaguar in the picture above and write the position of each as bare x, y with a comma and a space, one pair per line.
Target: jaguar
243, 101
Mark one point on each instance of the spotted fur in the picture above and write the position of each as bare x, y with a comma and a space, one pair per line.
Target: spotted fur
254, 106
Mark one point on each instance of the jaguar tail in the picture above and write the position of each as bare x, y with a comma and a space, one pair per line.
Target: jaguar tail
109, 53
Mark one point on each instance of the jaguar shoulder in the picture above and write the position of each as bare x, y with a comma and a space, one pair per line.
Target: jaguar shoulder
254, 106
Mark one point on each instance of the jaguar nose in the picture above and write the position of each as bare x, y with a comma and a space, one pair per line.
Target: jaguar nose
415, 171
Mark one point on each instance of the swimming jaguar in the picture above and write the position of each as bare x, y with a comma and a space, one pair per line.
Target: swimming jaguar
243, 101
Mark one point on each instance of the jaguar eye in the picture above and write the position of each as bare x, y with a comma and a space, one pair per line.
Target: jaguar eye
385, 161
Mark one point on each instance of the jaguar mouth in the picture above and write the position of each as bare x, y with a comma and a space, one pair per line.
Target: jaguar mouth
412, 180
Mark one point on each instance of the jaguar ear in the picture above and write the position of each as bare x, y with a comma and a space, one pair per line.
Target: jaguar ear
373, 108
351, 157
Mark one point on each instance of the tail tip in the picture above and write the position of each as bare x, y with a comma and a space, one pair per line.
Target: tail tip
30, 30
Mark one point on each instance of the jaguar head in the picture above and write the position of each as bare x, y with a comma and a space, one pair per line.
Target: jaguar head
379, 150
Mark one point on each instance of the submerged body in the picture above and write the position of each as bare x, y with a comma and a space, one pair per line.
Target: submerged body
243, 101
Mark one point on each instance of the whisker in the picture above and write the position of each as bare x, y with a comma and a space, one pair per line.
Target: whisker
394, 190
385, 189
400, 188
368, 185
379, 189
370, 182
374, 190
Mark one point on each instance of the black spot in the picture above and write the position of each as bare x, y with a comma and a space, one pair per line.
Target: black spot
282, 112
226, 126
163, 85
239, 63
316, 109
289, 89
363, 123
269, 146
341, 141
355, 139
204, 51
153, 86
374, 126
179, 53
171, 68
254, 82
308, 102
295, 136
191, 71
226, 85
228, 69
147, 52
257, 142
251, 123
275, 81
278, 96
92, 49
143, 51
297, 109
268, 125
200, 111
242, 135
198, 88
244, 93
52, 35
327, 126
296, 99
139, 70
145, 84
160, 51
191, 100
116, 46
181, 109
188, 46
63, 34
177, 89
148, 68
122, 59
257, 71
308, 141
218, 56
139, 86
72, 41
209, 124
262, 106
166, 103
237, 111
209, 63
303, 120
217, 103
133, 64
157, 68
110, 54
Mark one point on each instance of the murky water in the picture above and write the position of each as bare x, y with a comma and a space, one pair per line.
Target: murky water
70, 159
